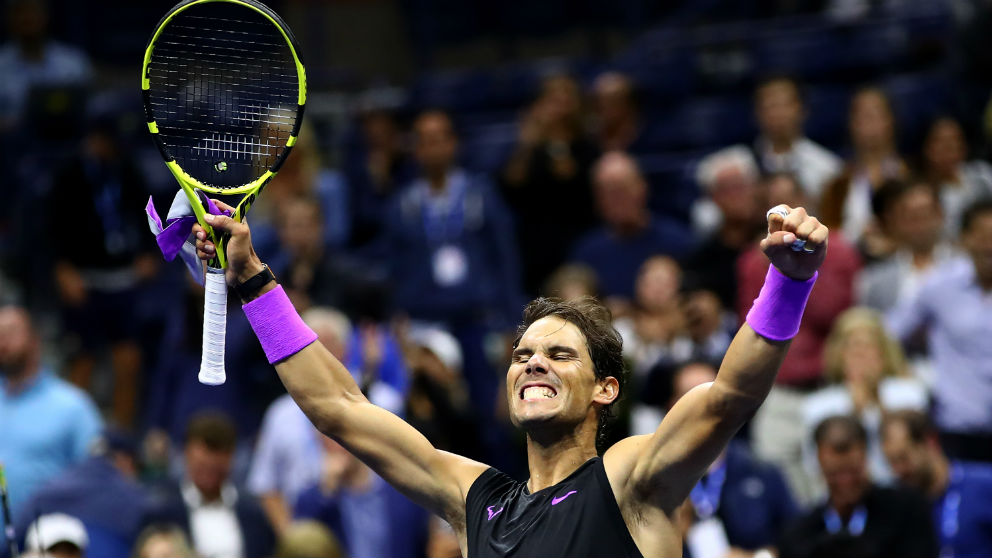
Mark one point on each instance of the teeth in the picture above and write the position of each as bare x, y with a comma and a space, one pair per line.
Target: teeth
538, 392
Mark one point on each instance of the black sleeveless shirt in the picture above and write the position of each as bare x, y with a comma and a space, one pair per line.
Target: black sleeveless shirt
579, 516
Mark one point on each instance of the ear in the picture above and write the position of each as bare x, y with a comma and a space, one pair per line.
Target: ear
607, 391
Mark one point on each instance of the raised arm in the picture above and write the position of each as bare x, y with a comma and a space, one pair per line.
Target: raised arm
661, 468
330, 398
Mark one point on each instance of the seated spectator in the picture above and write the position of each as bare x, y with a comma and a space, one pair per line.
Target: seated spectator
33, 59
222, 519
572, 281
858, 517
102, 492
57, 535
304, 539
286, 458
630, 233
163, 540
945, 164
550, 168
777, 432
48, 424
846, 202
367, 515
743, 501
781, 146
960, 492
869, 377
617, 124
911, 217
375, 170
729, 219
954, 309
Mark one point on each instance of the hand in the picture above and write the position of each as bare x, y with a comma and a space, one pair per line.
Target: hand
783, 231
242, 263
72, 287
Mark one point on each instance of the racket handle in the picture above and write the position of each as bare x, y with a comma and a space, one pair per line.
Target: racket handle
214, 328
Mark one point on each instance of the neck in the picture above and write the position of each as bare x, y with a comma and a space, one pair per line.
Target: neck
17, 381
619, 134
781, 144
843, 509
875, 154
209, 495
633, 226
550, 461
437, 180
33, 49
941, 477
923, 257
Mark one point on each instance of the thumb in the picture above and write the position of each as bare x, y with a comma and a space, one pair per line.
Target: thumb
779, 238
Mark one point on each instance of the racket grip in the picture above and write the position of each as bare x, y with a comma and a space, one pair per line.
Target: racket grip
214, 328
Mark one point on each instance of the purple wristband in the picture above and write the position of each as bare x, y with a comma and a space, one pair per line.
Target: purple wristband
277, 325
777, 311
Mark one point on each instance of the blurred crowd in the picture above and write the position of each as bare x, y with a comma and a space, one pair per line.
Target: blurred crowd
413, 266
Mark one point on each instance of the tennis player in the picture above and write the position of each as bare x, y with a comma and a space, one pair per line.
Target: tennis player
565, 374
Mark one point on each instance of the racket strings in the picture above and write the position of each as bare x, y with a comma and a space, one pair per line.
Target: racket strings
224, 92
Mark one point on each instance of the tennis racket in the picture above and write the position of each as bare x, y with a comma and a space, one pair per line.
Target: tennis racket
224, 90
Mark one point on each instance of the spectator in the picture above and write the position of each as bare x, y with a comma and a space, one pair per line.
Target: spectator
748, 501
954, 308
550, 168
617, 124
960, 492
777, 432
287, 456
781, 146
375, 170
858, 518
32, 59
911, 218
222, 519
630, 233
868, 376
163, 540
48, 424
57, 535
729, 219
303, 539
367, 515
961, 182
103, 255
572, 281
655, 324
102, 492
846, 202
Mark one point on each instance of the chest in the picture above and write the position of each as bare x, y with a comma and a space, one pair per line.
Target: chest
964, 318
34, 429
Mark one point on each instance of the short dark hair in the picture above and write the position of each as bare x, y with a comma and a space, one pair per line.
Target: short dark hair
780, 77
892, 190
844, 432
603, 342
918, 425
975, 210
213, 429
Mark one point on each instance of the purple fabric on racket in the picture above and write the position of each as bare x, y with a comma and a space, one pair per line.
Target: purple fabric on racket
278, 325
175, 237
778, 310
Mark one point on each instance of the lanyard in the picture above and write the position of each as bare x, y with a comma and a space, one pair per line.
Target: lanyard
444, 215
950, 505
705, 495
855, 526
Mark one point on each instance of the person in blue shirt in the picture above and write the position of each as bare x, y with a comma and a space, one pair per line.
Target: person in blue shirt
630, 233
48, 424
960, 491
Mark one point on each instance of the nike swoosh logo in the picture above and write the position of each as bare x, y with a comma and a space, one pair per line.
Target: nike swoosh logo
492, 513
556, 501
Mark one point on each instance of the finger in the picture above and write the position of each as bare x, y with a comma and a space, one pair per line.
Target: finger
776, 216
806, 227
222, 205
819, 236
795, 218
780, 238
221, 222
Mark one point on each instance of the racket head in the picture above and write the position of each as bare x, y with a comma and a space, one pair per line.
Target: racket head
224, 90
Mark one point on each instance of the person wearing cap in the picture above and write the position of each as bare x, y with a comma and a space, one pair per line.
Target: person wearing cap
57, 535
102, 492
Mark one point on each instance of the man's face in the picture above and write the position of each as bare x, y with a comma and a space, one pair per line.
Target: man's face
612, 99
208, 469
946, 147
779, 111
736, 194
621, 194
17, 341
977, 240
658, 283
551, 378
910, 461
845, 471
301, 227
915, 220
870, 121
436, 145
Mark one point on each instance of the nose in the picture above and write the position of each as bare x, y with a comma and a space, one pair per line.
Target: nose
537, 364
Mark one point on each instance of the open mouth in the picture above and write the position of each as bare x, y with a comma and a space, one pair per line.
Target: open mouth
535, 392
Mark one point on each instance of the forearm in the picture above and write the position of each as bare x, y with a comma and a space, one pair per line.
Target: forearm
321, 386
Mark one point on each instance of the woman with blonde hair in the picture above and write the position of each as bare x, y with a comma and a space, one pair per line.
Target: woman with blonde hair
868, 375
